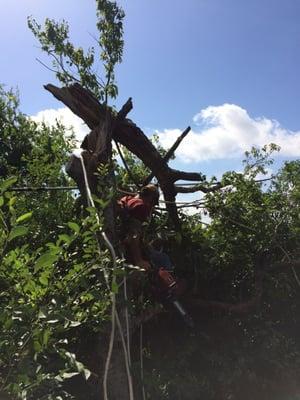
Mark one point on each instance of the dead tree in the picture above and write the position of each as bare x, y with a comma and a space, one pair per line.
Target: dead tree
125, 132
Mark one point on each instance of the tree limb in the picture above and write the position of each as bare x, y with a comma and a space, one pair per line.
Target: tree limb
197, 188
169, 153
125, 110
187, 176
85, 105
283, 265
81, 101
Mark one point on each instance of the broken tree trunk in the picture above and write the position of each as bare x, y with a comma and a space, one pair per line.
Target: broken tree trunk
125, 132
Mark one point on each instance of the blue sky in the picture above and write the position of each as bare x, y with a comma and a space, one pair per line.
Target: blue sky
228, 68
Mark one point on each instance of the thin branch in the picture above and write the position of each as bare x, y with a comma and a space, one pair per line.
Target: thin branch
177, 175
170, 152
239, 224
265, 179
46, 66
60, 63
290, 260
70, 75
99, 77
126, 108
41, 188
219, 183
182, 188
183, 202
197, 188
296, 276
126, 166
283, 264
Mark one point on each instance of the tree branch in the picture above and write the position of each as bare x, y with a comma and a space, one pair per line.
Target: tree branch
84, 104
187, 176
198, 188
283, 265
169, 153
81, 101
125, 110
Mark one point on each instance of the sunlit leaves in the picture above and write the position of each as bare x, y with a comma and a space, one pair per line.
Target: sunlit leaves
45, 293
7, 183
17, 231
45, 260
24, 217
74, 64
75, 227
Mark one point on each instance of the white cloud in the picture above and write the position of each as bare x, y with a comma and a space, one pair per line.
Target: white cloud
224, 132
66, 117
227, 131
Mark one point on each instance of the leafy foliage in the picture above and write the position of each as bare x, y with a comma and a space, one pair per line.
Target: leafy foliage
53, 294
73, 64
254, 229
50, 296
35, 155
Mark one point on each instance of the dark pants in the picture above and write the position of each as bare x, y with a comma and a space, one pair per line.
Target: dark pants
160, 259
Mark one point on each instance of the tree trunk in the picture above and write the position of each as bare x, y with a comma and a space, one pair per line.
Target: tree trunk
124, 131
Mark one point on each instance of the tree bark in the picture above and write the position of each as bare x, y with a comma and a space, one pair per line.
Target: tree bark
124, 131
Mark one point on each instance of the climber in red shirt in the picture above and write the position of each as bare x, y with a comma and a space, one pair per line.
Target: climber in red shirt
136, 210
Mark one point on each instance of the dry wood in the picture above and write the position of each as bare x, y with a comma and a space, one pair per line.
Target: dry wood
169, 153
197, 188
86, 106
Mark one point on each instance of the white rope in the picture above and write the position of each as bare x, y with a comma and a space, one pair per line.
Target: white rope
114, 315
142, 361
127, 362
127, 320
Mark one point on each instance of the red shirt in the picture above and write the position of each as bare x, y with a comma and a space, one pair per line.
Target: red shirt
136, 207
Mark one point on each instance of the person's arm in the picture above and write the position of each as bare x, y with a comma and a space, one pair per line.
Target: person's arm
133, 243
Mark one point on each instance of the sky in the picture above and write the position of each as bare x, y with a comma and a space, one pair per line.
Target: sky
228, 68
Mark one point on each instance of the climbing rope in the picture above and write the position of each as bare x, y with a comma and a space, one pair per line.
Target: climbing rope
127, 320
114, 313
141, 358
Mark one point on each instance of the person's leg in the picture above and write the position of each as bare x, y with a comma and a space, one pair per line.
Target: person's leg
160, 260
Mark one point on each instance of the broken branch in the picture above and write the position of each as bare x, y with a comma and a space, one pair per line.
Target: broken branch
169, 153
198, 188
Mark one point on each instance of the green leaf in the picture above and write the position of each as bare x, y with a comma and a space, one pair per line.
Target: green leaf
37, 346
24, 216
114, 287
17, 231
45, 260
46, 336
1, 201
7, 183
75, 227
12, 201
43, 280
65, 238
